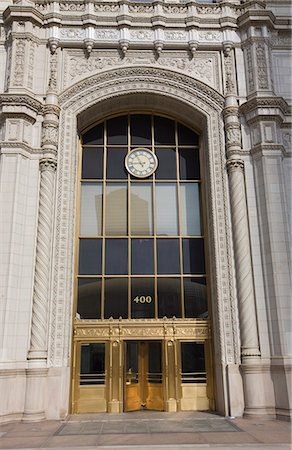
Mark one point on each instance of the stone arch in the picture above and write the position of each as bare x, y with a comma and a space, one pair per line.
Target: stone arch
196, 105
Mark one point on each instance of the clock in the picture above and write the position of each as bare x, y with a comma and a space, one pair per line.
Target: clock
141, 162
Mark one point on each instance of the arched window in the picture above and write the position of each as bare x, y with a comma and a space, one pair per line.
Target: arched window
141, 237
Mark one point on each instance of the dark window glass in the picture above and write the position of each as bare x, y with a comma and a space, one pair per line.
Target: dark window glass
115, 163
117, 131
90, 256
140, 130
193, 256
92, 364
132, 363
168, 256
92, 163
142, 256
186, 136
189, 164
89, 294
166, 169
195, 295
94, 136
116, 298
169, 297
116, 256
193, 362
164, 131
142, 298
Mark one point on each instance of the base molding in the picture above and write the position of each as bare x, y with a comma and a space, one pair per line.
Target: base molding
11, 417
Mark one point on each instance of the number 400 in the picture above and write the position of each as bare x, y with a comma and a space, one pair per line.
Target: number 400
142, 299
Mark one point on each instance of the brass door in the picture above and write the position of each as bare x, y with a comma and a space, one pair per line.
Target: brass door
143, 376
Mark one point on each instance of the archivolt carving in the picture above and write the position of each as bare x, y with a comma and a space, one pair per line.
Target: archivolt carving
168, 86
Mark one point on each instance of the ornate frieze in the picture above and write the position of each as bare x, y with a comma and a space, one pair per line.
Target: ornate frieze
70, 6
203, 66
50, 135
72, 33
261, 66
19, 68
106, 34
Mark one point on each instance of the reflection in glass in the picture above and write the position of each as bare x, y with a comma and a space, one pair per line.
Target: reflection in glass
166, 209
89, 294
193, 362
167, 256
116, 298
94, 136
186, 136
142, 256
92, 364
169, 297
140, 129
115, 167
92, 163
117, 131
141, 209
142, 298
166, 169
116, 209
193, 256
116, 256
132, 369
91, 209
90, 256
195, 297
154, 362
189, 164
164, 131
190, 209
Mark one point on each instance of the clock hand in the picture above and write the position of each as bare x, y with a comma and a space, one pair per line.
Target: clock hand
141, 162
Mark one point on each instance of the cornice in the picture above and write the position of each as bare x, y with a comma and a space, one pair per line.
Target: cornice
15, 12
254, 104
21, 100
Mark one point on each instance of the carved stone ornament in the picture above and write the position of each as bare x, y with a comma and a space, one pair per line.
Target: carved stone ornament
50, 135
48, 164
19, 62
235, 164
262, 69
233, 135
69, 6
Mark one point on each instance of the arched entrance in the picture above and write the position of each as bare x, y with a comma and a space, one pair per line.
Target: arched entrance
152, 91
141, 257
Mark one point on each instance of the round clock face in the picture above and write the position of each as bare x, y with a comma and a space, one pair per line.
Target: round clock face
141, 162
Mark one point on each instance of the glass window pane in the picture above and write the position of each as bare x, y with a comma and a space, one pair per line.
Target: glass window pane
186, 136
92, 163
140, 129
117, 131
142, 256
116, 298
92, 364
90, 256
141, 209
195, 295
116, 256
193, 362
190, 209
169, 297
193, 256
166, 209
166, 169
89, 295
94, 136
164, 131
91, 209
115, 163
189, 164
116, 209
167, 256
142, 298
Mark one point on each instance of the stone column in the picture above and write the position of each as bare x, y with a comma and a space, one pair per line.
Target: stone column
250, 352
38, 343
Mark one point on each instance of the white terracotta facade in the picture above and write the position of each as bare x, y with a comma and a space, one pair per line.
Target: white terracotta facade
222, 68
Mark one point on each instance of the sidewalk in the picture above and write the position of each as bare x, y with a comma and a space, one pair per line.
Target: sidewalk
148, 430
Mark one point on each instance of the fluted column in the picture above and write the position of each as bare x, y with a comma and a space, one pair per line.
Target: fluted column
38, 343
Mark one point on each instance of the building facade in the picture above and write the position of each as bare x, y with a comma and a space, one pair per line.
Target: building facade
145, 207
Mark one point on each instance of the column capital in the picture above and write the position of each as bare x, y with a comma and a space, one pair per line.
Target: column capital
48, 164
235, 164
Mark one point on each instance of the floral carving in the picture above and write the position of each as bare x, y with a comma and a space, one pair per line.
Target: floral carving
72, 33
141, 8
113, 7
69, 6
210, 36
50, 135
262, 69
175, 9
19, 62
175, 35
106, 34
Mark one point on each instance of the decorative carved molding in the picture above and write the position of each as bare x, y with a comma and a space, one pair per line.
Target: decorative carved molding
261, 66
229, 75
21, 100
19, 62
235, 164
141, 9
233, 134
203, 67
109, 7
72, 33
50, 134
69, 6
